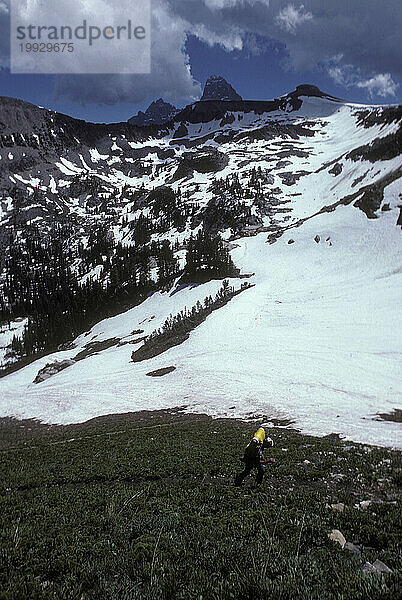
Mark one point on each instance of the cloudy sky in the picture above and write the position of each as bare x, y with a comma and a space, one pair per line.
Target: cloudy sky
349, 48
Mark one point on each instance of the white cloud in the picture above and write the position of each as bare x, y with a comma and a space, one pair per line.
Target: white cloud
170, 78
337, 75
229, 40
343, 74
290, 18
348, 76
379, 85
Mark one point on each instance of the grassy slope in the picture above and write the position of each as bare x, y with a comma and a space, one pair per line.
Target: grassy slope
142, 506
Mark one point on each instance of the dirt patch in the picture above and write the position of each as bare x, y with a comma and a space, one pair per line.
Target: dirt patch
95, 347
161, 372
136, 341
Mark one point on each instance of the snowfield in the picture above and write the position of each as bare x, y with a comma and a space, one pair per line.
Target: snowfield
316, 340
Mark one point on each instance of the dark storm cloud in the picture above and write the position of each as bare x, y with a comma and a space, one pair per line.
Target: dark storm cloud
357, 42
365, 32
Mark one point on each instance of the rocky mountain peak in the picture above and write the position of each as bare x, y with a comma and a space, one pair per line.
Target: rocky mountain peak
306, 89
217, 88
157, 113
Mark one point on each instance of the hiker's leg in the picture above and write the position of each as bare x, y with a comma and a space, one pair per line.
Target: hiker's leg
260, 473
239, 478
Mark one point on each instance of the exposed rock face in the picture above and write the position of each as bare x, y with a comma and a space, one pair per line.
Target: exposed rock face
157, 113
217, 88
371, 201
336, 169
207, 161
180, 132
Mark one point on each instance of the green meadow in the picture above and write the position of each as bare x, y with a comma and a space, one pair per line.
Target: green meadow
142, 506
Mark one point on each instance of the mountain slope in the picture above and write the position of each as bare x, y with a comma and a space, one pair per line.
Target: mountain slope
305, 190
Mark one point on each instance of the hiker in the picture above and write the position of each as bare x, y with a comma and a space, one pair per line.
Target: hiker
253, 455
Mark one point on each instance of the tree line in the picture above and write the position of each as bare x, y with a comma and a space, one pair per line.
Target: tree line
64, 285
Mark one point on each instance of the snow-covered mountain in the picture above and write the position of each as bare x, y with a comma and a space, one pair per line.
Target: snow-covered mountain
306, 192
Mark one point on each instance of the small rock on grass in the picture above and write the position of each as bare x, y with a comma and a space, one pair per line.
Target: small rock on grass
340, 506
337, 536
381, 567
368, 568
377, 567
363, 504
352, 548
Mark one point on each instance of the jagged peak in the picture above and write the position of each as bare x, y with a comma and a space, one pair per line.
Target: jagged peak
217, 88
157, 113
160, 102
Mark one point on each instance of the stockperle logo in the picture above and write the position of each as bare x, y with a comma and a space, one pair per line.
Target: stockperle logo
80, 36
